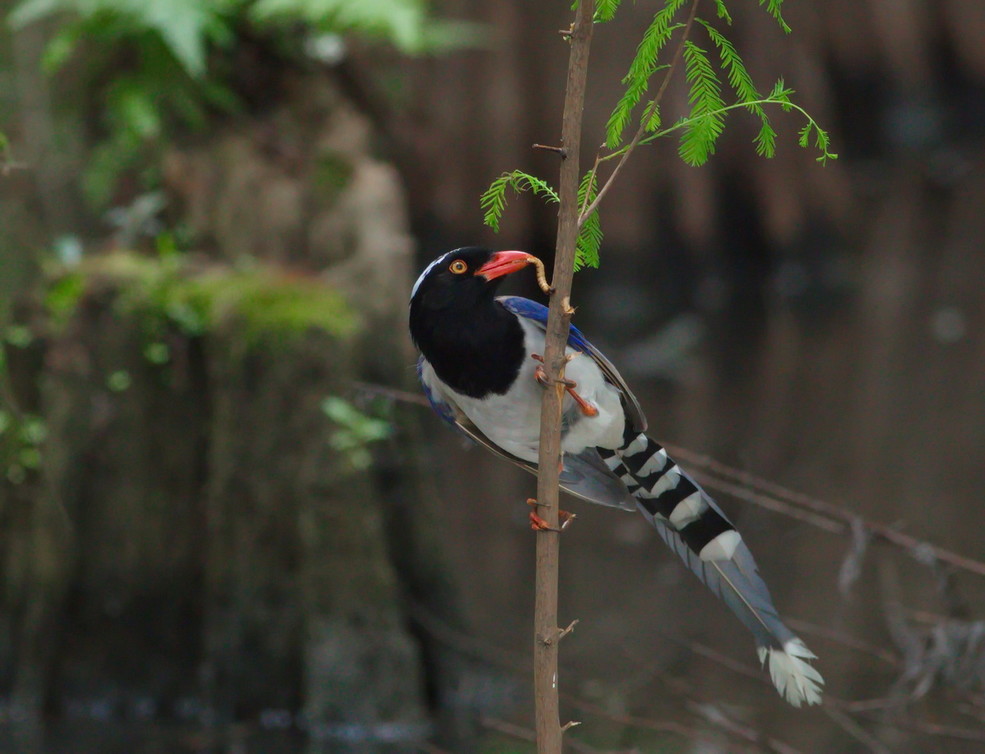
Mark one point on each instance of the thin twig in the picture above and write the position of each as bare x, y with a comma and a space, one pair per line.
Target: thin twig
655, 102
404, 396
838, 637
856, 731
844, 518
591, 180
772, 496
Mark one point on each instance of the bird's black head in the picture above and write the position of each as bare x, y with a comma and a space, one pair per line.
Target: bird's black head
472, 342
464, 278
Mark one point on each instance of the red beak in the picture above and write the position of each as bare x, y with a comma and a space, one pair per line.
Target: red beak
503, 263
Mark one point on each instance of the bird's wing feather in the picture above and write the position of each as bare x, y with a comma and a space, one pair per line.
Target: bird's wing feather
584, 475
537, 313
439, 405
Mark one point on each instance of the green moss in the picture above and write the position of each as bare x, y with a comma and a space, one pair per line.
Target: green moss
333, 172
62, 296
270, 303
261, 303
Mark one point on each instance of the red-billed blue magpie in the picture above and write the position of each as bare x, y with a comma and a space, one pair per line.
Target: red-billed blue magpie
479, 370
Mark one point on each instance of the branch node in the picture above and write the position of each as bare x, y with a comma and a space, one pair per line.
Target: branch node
547, 148
570, 724
568, 630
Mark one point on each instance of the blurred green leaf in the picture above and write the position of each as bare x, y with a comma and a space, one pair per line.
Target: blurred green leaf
406, 24
185, 26
18, 336
119, 381
34, 430
157, 353
29, 458
355, 430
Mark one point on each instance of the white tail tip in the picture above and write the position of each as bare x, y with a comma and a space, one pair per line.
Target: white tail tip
796, 679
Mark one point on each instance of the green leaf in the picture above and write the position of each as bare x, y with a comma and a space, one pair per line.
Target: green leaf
185, 26
19, 336
773, 8
119, 381
653, 118
707, 120
493, 200
406, 24
723, 11
605, 10
644, 65
766, 140
590, 236
781, 93
745, 89
355, 430
157, 353
804, 138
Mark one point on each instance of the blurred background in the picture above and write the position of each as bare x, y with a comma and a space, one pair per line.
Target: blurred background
228, 525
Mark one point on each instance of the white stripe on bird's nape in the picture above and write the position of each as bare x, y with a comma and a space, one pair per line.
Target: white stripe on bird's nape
417, 284
688, 510
721, 547
796, 679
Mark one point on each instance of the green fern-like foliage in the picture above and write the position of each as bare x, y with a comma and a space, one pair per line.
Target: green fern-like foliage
745, 89
723, 11
605, 10
773, 8
590, 236
707, 119
699, 130
644, 65
493, 200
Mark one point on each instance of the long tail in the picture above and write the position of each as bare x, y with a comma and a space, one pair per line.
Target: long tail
694, 527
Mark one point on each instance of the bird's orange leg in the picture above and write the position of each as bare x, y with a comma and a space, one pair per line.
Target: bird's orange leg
588, 409
538, 524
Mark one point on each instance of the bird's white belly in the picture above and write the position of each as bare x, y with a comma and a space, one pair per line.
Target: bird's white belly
512, 420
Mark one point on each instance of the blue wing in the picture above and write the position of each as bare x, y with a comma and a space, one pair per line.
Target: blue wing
524, 307
534, 312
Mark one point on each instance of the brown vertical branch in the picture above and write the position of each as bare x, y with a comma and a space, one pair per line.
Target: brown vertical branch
546, 631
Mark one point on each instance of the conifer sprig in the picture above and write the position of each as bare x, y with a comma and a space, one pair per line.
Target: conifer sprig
745, 89
493, 203
699, 130
707, 119
644, 65
493, 200
605, 10
590, 235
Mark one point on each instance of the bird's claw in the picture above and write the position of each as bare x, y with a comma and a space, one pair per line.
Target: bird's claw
538, 524
588, 409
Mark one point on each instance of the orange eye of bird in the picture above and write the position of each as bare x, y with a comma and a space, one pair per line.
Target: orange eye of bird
458, 267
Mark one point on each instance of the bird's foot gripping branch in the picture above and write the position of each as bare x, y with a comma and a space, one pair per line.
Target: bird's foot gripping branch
539, 524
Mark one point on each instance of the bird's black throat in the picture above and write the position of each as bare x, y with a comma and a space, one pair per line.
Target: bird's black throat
476, 349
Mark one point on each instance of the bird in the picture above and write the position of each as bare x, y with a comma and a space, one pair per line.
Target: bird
481, 371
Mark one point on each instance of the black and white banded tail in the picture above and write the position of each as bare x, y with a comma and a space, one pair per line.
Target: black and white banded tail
692, 525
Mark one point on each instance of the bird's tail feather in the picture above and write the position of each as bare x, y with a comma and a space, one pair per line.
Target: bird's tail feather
694, 527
